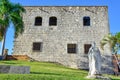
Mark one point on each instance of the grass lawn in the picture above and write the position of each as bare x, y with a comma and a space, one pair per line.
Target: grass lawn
46, 71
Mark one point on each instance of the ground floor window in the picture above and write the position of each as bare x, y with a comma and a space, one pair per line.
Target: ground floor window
71, 48
37, 46
86, 48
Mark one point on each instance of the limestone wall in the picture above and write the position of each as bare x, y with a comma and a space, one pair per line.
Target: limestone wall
69, 29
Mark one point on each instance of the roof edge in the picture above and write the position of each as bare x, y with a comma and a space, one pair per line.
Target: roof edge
66, 6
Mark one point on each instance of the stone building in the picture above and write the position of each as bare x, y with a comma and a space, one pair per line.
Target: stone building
63, 34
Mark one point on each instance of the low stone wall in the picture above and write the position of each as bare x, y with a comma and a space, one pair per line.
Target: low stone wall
14, 69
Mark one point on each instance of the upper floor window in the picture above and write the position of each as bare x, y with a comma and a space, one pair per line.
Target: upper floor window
52, 21
86, 21
38, 21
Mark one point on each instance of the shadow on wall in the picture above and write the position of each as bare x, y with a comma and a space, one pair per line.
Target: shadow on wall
83, 63
107, 66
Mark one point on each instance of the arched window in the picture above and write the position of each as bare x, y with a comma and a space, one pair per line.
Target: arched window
86, 21
38, 21
52, 21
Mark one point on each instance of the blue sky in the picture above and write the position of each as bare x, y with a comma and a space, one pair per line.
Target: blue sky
113, 12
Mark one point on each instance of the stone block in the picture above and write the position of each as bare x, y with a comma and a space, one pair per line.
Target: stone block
14, 69
4, 68
20, 69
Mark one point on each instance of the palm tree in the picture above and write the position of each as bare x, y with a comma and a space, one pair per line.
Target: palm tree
10, 13
113, 41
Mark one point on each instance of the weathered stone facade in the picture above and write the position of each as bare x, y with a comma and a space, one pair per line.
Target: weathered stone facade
69, 30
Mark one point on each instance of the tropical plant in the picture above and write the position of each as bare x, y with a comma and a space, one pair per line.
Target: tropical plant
113, 41
10, 13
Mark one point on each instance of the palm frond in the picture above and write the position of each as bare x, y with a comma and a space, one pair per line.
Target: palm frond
16, 18
112, 40
18, 23
105, 40
10, 12
118, 37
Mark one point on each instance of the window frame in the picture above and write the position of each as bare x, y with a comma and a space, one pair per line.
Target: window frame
71, 48
35, 45
38, 21
86, 21
53, 21
86, 46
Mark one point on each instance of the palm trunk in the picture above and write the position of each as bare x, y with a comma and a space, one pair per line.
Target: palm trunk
3, 42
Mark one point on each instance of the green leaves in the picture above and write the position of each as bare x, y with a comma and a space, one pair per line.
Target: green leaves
118, 37
112, 40
18, 23
10, 12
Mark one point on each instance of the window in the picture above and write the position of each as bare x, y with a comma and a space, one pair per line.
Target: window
52, 21
86, 48
86, 21
71, 48
38, 21
37, 46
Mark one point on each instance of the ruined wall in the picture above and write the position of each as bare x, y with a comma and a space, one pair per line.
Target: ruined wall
69, 29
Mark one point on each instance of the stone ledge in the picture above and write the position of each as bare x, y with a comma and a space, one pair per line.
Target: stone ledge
14, 69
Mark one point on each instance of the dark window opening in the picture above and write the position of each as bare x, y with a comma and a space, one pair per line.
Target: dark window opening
53, 21
86, 21
71, 48
37, 46
86, 48
38, 21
